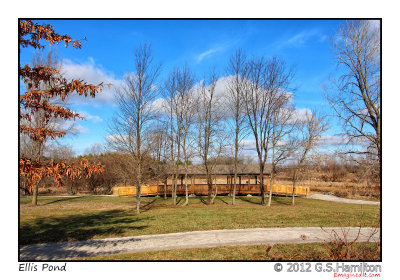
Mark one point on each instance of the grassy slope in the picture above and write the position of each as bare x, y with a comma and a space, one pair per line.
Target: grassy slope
310, 251
82, 218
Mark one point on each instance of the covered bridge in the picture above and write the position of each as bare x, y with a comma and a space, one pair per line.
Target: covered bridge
248, 182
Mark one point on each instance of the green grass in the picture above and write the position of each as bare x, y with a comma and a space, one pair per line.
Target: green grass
83, 218
310, 251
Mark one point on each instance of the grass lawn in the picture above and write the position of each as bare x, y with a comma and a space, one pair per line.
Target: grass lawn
82, 218
310, 251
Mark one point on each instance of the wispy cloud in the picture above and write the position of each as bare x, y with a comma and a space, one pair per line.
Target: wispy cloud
206, 54
302, 38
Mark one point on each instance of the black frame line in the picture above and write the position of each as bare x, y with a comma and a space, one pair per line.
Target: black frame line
183, 19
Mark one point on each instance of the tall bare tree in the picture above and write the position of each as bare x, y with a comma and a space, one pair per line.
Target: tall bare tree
131, 124
282, 125
169, 95
356, 94
236, 71
311, 129
208, 119
266, 81
184, 107
180, 104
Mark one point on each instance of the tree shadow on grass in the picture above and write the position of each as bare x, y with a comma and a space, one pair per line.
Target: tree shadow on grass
80, 227
219, 198
178, 200
247, 199
148, 206
282, 200
61, 199
202, 200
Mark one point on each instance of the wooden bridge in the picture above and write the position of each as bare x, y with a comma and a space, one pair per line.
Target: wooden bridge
222, 189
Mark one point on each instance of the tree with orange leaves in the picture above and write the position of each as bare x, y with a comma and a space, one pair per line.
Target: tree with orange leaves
44, 82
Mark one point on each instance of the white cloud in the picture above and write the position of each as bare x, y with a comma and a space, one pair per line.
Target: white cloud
94, 74
248, 145
207, 53
117, 138
332, 140
300, 39
221, 96
159, 106
90, 117
69, 126
302, 114
79, 129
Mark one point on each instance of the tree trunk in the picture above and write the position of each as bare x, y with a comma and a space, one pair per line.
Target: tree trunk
186, 179
294, 186
234, 189
209, 184
138, 186
174, 186
26, 191
236, 159
262, 192
209, 199
35, 194
138, 193
271, 182
216, 190
186, 190
165, 190
37, 148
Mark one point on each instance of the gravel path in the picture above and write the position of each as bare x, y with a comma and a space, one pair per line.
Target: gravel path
339, 199
195, 239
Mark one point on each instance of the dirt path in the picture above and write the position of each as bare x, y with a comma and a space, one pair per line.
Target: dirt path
195, 239
339, 199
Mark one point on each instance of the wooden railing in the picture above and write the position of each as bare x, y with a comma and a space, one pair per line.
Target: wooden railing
203, 190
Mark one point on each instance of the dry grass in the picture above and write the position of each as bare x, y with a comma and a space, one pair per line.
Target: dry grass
83, 218
347, 185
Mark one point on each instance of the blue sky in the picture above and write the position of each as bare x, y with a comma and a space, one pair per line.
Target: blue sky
107, 55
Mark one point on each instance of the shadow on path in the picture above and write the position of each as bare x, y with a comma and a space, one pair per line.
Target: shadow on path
65, 250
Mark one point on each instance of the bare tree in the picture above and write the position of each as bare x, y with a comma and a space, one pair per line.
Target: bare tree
178, 94
184, 109
266, 81
310, 131
236, 70
356, 94
282, 125
132, 122
208, 126
169, 95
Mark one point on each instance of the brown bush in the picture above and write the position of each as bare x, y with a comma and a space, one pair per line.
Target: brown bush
340, 247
